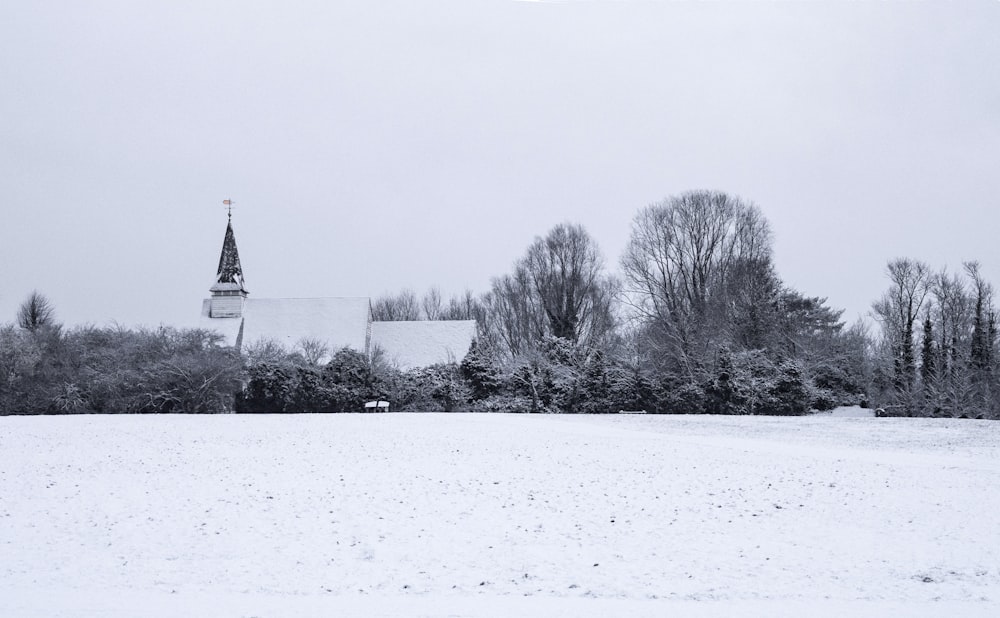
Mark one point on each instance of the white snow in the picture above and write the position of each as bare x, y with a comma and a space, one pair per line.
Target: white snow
849, 412
498, 515
423, 343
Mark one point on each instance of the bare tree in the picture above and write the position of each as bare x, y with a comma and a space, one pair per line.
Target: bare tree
952, 308
898, 311
463, 307
264, 351
558, 288
684, 253
566, 272
400, 307
35, 312
431, 304
313, 350
513, 320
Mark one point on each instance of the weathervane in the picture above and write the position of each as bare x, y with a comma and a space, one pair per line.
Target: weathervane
229, 204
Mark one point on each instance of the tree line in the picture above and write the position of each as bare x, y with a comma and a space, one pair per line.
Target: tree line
936, 355
46, 369
695, 320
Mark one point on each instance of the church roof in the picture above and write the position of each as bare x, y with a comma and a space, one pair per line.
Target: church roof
419, 344
230, 274
335, 322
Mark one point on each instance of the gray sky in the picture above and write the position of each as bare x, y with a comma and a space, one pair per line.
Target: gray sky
372, 146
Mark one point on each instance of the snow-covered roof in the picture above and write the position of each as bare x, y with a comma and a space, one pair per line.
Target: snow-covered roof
336, 322
419, 344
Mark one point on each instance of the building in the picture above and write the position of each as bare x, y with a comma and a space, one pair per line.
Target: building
334, 322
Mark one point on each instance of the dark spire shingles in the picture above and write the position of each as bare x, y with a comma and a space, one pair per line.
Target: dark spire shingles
230, 270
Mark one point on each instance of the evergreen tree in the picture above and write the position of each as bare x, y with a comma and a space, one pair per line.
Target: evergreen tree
928, 354
596, 384
449, 390
351, 379
267, 390
308, 394
979, 354
991, 340
480, 370
790, 393
719, 391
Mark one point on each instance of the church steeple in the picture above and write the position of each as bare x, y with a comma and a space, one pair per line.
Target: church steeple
230, 270
229, 290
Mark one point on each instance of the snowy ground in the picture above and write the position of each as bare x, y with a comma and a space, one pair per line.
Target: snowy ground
496, 515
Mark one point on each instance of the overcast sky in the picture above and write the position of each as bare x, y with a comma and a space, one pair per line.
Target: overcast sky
373, 146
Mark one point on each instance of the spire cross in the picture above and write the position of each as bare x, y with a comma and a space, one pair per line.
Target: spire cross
228, 204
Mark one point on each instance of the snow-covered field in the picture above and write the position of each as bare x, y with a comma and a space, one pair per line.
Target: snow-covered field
497, 515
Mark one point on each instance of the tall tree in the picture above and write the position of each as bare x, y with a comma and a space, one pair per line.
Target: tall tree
981, 349
928, 353
432, 305
898, 310
559, 289
465, 306
953, 315
396, 307
513, 321
683, 254
566, 271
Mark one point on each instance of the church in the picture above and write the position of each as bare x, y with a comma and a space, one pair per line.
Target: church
335, 322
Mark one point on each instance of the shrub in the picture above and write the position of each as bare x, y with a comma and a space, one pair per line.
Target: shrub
822, 399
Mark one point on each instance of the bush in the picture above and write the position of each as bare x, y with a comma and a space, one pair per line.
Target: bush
438, 388
268, 389
683, 398
513, 404
115, 370
481, 372
790, 393
822, 399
